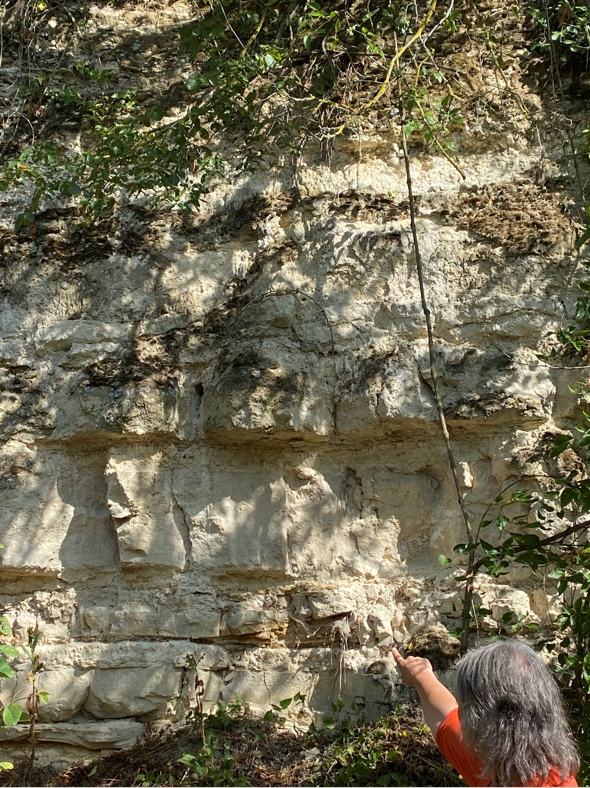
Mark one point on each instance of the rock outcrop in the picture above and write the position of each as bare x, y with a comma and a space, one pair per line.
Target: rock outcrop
220, 437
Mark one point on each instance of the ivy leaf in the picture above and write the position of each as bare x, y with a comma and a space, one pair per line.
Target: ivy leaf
72, 189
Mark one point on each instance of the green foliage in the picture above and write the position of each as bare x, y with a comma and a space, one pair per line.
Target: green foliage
433, 119
5, 632
556, 541
564, 26
214, 763
363, 758
278, 73
574, 338
275, 713
11, 713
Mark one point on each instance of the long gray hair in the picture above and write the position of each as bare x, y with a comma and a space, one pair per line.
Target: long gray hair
512, 715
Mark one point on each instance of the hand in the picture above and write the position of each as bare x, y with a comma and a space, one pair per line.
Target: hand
413, 669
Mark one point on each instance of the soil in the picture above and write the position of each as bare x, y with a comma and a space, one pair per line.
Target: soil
265, 754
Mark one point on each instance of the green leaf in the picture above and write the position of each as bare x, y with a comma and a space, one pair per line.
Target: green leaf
443, 560
528, 540
11, 714
5, 670
567, 496
25, 219
72, 189
43, 696
6, 765
10, 651
328, 723
489, 548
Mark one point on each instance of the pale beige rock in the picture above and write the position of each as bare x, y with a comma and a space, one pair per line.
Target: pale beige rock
67, 690
131, 692
221, 440
56, 522
114, 734
68, 333
150, 528
509, 600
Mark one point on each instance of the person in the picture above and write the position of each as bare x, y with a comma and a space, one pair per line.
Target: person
506, 725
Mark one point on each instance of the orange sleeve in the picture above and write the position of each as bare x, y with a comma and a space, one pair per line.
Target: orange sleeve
450, 743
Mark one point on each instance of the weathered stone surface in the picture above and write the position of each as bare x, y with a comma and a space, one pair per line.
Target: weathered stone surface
88, 735
155, 533
68, 334
219, 435
131, 692
53, 517
67, 690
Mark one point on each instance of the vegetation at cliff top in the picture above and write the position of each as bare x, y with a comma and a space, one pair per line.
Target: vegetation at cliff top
293, 75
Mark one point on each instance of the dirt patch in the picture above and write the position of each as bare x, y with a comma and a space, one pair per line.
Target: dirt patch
436, 645
521, 217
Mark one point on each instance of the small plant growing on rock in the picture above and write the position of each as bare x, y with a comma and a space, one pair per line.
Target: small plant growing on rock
13, 713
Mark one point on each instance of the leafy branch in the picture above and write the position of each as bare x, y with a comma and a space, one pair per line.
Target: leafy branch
283, 72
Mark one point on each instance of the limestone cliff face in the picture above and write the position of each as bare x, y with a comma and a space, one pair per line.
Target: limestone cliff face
219, 435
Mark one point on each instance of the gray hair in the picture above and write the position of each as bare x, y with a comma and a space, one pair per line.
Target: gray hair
512, 715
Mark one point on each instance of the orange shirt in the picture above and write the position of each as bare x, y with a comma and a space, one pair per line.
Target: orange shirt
450, 743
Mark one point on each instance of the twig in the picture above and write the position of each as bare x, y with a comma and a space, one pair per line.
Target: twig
433, 372
399, 53
254, 35
549, 540
229, 24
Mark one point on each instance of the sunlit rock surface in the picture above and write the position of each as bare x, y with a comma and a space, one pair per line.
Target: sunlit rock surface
219, 437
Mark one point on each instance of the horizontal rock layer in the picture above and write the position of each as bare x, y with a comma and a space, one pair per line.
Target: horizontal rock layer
220, 439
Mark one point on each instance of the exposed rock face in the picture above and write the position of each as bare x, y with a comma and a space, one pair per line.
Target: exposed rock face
220, 438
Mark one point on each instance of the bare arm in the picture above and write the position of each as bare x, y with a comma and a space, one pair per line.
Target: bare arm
436, 699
